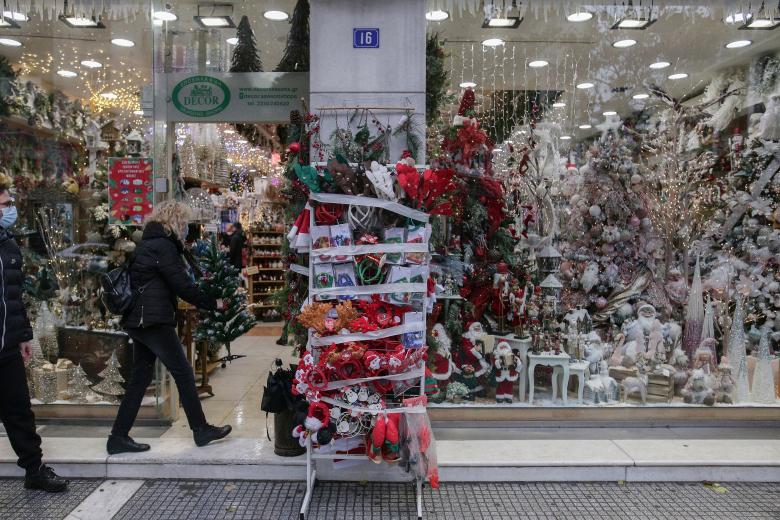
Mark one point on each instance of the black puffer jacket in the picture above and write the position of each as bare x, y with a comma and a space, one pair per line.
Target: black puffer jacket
159, 276
14, 325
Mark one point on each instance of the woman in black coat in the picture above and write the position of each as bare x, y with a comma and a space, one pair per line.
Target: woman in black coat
158, 277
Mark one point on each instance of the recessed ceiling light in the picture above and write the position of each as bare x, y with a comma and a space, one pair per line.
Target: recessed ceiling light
610, 113
558, 104
253, 170
92, 64
538, 64
633, 23
165, 16
678, 75
123, 42
108, 95
436, 16
762, 23
585, 85
621, 44
493, 42
510, 22
565, 137
15, 16
232, 41
228, 131
585, 127
214, 22
276, 16
641, 96
82, 22
737, 17
157, 23
66, 73
241, 141
138, 112
659, 65
467, 84
736, 44
581, 16
10, 42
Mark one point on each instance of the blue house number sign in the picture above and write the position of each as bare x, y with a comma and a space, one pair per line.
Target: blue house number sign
365, 38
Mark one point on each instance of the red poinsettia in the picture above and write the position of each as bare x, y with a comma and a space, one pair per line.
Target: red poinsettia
426, 190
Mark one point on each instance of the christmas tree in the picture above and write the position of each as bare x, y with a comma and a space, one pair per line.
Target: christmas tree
79, 385
296, 53
220, 280
111, 380
245, 56
694, 315
763, 378
737, 352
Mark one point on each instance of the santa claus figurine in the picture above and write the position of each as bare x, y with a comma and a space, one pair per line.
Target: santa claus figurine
470, 353
506, 370
442, 365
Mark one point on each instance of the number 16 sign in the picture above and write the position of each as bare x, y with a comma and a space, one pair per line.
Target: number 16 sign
365, 38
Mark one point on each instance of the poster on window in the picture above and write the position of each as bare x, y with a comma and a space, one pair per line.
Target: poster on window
130, 190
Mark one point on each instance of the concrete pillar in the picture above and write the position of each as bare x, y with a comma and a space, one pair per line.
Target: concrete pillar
392, 75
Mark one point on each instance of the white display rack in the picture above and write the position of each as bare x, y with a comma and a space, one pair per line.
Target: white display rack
314, 344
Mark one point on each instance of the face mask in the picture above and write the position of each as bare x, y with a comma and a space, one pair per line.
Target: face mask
9, 217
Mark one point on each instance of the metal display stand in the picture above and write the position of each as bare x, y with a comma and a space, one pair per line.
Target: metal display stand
313, 345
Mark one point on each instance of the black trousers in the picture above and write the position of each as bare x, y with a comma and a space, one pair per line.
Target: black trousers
16, 412
149, 343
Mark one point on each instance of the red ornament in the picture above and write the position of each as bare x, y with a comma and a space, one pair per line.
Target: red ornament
294, 147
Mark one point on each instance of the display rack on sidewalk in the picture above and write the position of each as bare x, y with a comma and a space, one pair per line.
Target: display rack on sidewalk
404, 399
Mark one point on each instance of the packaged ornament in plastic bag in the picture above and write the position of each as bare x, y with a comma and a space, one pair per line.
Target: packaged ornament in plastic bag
418, 274
394, 235
340, 235
418, 446
417, 235
399, 274
345, 277
414, 339
320, 238
323, 278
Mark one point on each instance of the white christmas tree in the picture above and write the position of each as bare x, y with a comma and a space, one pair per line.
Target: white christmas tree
79, 386
111, 380
708, 329
738, 354
763, 377
694, 315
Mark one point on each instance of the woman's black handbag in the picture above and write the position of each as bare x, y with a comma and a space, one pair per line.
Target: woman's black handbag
118, 295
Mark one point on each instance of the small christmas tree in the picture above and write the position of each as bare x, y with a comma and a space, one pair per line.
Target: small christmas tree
220, 280
79, 385
296, 53
737, 353
764, 378
111, 380
245, 56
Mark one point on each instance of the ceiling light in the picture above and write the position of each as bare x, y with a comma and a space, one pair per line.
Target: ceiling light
123, 42
436, 16
276, 16
214, 22
621, 44
108, 95
510, 22
585, 85
581, 16
659, 65
165, 16
762, 23
678, 75
738, 44
241, 141
632, 22
558, 104
467, 84
16, 17
10, 42
641, 96
585, 127
232, 41
253, 170
537, 64
92, 64
737, 17
228, 131
493, 42
609, 113
82, 22
565, 137
138, 112
157, 23
66, 73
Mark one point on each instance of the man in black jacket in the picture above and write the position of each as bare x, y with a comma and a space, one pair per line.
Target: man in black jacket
237, 243
15, 348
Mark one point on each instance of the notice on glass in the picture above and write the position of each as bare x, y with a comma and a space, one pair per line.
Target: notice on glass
130, 190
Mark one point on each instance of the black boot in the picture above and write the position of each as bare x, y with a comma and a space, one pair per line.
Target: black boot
208, 433
117, 444
44, 478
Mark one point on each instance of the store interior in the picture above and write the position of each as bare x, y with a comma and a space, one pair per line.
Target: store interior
612, 215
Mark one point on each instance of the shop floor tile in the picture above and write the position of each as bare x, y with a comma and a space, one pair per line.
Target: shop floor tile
195, 500
17, 503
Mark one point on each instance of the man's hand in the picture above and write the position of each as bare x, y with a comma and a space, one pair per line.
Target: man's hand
26, 348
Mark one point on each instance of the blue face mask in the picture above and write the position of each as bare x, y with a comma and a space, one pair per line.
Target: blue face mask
9, 217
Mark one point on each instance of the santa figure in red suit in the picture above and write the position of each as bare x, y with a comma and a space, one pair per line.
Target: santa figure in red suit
471, 351
506, 370
443, 367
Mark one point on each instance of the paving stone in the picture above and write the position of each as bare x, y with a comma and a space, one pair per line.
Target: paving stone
17, 503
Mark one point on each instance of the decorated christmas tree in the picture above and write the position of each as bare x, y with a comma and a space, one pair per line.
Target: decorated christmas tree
221, 281
296, 52
111, 382
79, 385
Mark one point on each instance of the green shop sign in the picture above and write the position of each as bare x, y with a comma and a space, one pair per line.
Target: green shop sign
200, 96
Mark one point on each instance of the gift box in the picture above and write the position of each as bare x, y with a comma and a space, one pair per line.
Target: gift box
64, 370
45, 382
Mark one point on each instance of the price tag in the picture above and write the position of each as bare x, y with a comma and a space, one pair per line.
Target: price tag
252, 269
